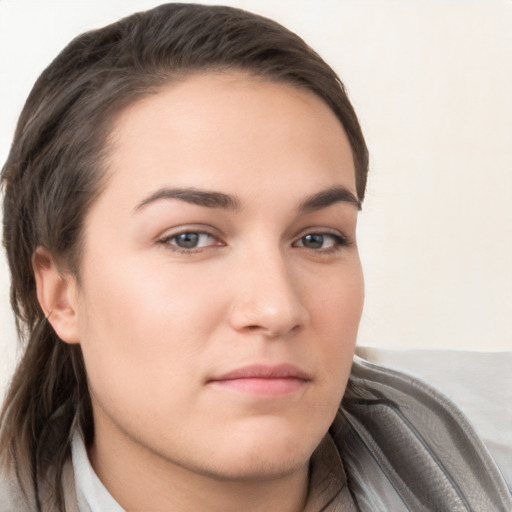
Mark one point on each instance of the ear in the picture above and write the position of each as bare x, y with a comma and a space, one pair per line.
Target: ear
56, 293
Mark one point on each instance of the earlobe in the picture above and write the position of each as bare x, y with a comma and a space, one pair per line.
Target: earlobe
56, 293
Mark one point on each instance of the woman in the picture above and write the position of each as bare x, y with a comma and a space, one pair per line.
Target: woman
180, 211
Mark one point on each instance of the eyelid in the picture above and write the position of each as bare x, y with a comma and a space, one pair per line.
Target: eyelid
188, 228
168, 235
321, 230
340, 238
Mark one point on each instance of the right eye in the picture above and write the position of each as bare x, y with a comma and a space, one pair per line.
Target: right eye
190, 240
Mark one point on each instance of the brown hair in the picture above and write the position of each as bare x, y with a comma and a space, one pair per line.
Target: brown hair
54, 173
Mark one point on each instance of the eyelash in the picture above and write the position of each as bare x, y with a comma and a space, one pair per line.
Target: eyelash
166, 241
339, 242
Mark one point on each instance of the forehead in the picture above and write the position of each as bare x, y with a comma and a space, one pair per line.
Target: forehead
224, 129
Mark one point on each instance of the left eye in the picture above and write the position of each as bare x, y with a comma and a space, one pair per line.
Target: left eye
319, 241
190, 240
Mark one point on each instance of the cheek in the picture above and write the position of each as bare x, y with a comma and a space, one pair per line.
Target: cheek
136, 300
335, 315
142, 332
338, 301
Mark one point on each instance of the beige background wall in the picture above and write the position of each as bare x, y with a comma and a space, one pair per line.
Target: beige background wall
431, 83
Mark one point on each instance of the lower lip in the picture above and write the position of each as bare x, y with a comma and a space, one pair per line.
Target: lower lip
275, 387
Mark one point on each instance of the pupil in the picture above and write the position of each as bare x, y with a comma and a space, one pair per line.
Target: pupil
313, 241
187, 240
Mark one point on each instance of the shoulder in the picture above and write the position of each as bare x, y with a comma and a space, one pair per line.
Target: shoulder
395, 430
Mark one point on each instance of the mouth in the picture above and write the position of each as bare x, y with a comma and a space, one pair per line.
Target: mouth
263, 380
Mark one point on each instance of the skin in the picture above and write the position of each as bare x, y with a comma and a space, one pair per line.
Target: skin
160, 324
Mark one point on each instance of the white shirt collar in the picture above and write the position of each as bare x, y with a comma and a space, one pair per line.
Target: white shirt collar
92, 496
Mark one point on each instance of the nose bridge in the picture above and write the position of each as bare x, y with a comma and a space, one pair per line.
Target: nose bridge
267, 298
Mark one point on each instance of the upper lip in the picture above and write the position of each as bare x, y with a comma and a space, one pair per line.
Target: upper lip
265, 371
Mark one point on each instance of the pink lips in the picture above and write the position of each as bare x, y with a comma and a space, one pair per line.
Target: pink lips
273, 381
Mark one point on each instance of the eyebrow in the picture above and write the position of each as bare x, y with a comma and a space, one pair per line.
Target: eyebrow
193, 196
329, 196
208, 199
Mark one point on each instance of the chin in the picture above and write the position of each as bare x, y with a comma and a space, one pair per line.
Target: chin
264, 454
259, 468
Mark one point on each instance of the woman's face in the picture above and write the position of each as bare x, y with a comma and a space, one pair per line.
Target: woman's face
221, 287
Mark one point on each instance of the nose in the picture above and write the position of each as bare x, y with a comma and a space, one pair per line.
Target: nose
266, 300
